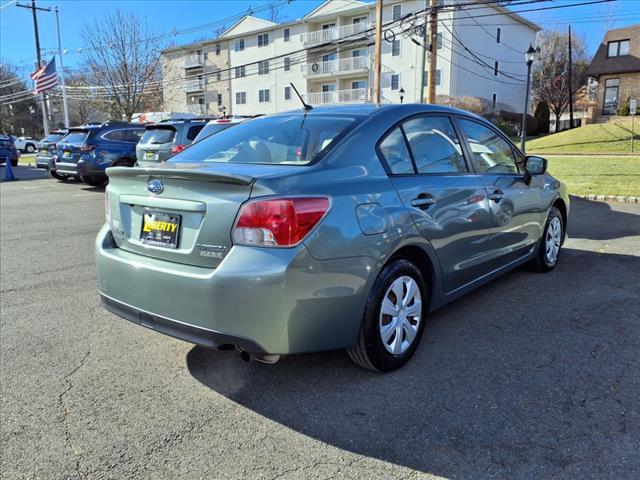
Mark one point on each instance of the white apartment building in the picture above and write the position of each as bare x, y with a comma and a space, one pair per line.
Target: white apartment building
328, 56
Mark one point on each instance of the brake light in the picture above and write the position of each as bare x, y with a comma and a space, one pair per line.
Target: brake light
177, 148
280, 222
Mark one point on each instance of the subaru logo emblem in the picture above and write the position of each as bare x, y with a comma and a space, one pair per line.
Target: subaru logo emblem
155, 187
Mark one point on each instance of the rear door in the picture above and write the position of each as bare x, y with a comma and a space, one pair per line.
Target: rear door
516, 207
447, 200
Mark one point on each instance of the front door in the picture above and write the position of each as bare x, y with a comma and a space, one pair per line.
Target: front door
610, 102
447, 201
516, 207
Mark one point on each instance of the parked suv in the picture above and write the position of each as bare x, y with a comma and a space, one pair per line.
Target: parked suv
8, 151
26, 144
215, 126
88, 150
164, 139
46, 148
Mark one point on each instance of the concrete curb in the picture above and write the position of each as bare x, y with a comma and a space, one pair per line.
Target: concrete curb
608, 198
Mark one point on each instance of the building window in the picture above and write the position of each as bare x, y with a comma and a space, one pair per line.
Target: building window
618, 48
240, 72
495, 69
287, 93
217, 49
287, 64
358, 84
439, 41
397, 12
287, 34
263, 40
498, 32
611, 93
263, 96
239, 45
263, 67
241, 98
494, 101
395, 48
395, 81
219, 99
438, 77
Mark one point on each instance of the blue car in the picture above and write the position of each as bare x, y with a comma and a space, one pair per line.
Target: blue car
86, 151
8, 151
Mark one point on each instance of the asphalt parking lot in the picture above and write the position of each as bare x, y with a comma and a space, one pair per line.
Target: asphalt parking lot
532, 376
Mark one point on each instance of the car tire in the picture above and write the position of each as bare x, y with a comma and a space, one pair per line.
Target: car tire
123, 162
30, 148
386, 349
14, 163
92, 181
57, 176
550, 244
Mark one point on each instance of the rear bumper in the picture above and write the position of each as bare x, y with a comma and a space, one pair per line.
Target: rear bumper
42, 162
66, 168
276, 301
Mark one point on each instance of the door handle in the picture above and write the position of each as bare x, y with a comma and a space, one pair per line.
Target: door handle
423, 201
496, 196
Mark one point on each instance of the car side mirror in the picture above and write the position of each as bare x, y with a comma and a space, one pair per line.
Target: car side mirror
534, 165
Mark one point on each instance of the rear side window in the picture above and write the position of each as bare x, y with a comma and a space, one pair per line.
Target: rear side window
193, 132
134, 136
211, 128
395, 153
492, 153
116, 135
76, 137
434, 145
158, 136
53, 137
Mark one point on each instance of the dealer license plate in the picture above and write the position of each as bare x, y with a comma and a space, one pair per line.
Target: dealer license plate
160, 229
150, 156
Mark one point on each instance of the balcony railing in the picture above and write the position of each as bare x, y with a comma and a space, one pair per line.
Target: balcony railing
336, 66
331, 34
357, 95
193, 60
195, 85
197, 108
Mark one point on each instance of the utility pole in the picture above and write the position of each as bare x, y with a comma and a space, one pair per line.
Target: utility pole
43, 97
378, 53
422, 58
570, 82
433, 53
64, 90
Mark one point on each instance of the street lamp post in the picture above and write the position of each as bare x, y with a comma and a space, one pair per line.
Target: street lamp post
529, 56
401, 94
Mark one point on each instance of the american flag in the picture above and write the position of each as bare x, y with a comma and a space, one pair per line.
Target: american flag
45, 77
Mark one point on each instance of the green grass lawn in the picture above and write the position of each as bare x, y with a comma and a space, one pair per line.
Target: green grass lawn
600, 175
27, 159
613, 137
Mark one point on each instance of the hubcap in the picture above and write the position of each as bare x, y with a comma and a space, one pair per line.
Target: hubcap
552, 244
400, 315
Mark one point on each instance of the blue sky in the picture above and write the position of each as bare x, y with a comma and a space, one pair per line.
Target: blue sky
16, 27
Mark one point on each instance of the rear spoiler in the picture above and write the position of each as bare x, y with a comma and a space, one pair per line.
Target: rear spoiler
200, 175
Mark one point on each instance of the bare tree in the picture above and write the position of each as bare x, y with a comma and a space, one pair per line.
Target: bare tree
550, 74
18, 107
123, 56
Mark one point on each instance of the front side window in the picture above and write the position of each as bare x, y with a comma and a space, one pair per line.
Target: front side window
434, 145
292, 140
394, 151
492, 153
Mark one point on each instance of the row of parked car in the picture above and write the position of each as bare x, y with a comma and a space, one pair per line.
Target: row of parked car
85, 152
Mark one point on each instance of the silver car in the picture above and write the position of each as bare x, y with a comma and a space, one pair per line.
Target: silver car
331, 228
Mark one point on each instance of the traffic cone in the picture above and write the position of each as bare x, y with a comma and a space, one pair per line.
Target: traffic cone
8, 171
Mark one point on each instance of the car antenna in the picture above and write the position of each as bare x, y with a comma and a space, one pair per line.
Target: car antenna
305, 105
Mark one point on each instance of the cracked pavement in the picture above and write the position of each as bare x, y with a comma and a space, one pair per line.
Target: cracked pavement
531, 376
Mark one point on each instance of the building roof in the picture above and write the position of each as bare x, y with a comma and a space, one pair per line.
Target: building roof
603, 65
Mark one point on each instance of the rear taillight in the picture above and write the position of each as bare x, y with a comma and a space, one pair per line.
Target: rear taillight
278, 222
87, 148
177, 148
107, 207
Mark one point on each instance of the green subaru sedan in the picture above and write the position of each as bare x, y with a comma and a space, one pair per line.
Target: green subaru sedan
327, 228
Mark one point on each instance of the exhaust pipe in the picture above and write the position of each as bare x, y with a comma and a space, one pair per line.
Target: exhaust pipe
258, 357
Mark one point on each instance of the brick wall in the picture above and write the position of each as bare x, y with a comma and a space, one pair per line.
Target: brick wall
629, 86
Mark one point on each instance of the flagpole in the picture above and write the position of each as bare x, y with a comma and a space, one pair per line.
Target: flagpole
64, 90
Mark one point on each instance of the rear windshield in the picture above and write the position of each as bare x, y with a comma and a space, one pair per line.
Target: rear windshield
157, 136
210, 129
292, 139
53, 137
77, 136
